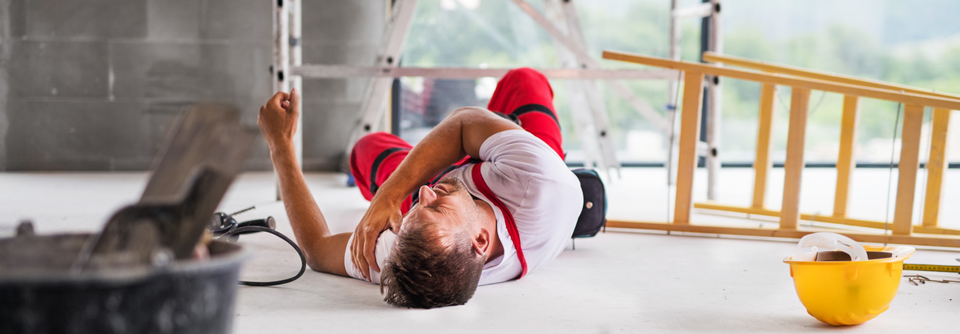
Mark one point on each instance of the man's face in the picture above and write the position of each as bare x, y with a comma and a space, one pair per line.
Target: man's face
447, 204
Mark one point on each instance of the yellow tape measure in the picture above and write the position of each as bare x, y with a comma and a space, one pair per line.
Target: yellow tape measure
931, 267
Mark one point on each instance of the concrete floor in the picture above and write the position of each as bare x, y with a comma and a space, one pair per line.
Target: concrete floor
620, 281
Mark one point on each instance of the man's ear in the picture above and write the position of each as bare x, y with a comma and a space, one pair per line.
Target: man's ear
481, 242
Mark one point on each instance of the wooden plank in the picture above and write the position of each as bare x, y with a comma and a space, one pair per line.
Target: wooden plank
846, 221
820, 218
812, 84
759, 232
763, 163
803, 216
709, 205
712, 57
934, 230
936, 164
943, 241
793, 166
689, 137
909, 164
845, 160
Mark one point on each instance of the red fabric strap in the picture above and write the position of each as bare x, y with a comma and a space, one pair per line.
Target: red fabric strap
507, 217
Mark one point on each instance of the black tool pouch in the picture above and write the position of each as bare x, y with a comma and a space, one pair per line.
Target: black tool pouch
593, 214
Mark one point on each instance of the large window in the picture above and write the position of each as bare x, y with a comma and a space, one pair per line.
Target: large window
914, 43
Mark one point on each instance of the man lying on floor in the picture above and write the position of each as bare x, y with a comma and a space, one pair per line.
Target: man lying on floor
479, 200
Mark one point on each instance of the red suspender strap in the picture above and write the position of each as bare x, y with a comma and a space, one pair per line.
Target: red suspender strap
507, 217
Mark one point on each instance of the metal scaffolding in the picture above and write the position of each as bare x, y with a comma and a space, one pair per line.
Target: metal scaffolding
561, 21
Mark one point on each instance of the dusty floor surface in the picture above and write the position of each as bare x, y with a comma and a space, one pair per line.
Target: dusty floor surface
618, 282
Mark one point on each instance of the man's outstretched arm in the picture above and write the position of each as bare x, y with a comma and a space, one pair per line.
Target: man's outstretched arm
278, 122
458, 135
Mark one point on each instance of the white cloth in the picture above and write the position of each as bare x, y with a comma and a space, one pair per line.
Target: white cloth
384, 247
536, 187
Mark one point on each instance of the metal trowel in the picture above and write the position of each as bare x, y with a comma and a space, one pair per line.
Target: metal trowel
204, 151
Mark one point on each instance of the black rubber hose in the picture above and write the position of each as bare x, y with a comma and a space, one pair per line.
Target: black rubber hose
251, 229
268, 222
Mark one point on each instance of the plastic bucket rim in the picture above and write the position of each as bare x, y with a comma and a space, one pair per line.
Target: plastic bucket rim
122, 276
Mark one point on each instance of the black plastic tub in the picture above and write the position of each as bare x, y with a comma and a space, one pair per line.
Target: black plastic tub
38, 293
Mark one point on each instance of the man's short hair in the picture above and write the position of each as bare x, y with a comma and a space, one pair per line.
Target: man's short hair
426, 271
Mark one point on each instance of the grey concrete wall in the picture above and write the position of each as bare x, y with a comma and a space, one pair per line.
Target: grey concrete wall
94, 84
336, 32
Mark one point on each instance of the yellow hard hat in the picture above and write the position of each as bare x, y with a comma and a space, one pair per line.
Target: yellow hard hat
849, 292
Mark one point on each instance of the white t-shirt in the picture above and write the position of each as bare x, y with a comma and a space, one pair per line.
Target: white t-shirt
536, 187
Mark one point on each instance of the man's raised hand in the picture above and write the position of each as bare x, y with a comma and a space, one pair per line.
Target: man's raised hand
278, 119
381, 215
